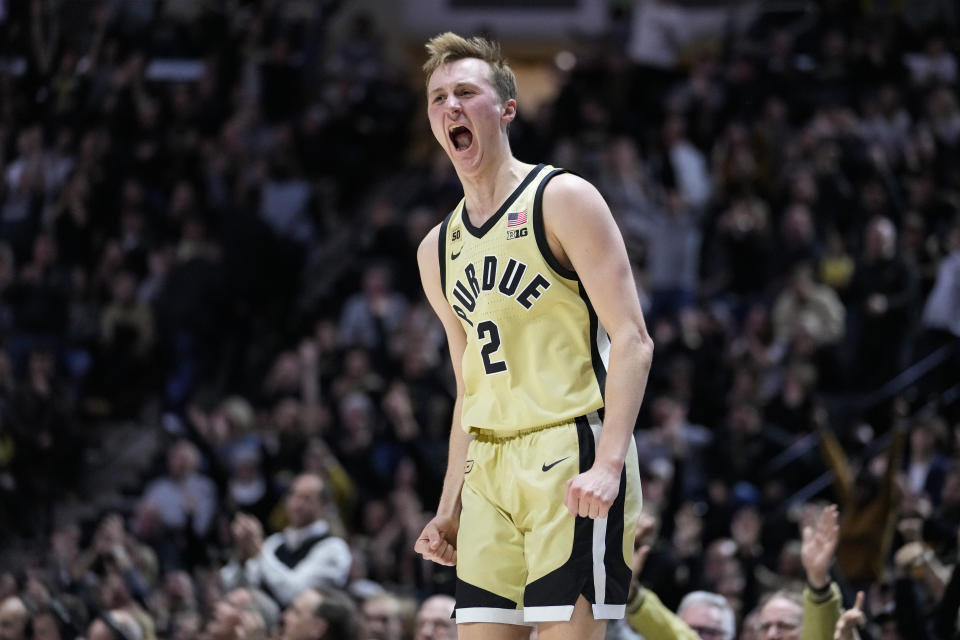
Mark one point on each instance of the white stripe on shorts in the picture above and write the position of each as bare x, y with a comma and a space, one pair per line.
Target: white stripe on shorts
556, 613
599, 530
609, 611
490, 614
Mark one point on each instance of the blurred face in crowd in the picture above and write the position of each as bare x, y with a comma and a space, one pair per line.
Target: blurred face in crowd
13, 619
299, 619
381, 618
98, 630
950, 494
45, 627
780, 619
182, 460
434, 621
305, 504
227, 619
705, 619
186, 626
881, 240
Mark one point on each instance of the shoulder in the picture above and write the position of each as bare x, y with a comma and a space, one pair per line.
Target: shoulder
273, 540
570, 203
569, 185
332, 543
428, 246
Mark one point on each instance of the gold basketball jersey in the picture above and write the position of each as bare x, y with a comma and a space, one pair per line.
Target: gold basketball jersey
536, 354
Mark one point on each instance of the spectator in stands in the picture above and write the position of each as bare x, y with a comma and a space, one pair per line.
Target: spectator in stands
381, 617
941, 312
925, 467
806, 303
54, 621
701, 614
371, 317
259, 602
113, 547
193, 183
321, 614
185, 498
303, 555
114, 625
230, 621
434, 620
13, 619
883, 292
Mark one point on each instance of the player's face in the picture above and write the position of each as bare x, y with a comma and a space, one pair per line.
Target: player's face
466, 114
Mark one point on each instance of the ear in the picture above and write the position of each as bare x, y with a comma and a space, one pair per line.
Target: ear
509, 111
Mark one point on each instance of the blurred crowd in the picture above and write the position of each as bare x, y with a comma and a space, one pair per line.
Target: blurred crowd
209, 212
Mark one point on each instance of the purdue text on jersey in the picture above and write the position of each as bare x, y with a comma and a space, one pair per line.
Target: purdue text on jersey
535, 352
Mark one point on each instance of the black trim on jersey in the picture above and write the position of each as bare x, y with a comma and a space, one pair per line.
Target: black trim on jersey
599, 370
540, 230
469, 596
574, 577
441, 247
478, 232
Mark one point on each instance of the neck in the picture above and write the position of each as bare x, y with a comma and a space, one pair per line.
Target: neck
485, 190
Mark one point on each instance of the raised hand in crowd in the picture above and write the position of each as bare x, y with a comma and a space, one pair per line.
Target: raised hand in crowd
819, 546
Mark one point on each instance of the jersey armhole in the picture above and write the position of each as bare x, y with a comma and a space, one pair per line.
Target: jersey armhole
540, 230
441, 243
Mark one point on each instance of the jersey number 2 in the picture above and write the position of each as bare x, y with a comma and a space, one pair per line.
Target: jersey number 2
485, 329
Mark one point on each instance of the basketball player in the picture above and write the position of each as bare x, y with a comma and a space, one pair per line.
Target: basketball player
530, 278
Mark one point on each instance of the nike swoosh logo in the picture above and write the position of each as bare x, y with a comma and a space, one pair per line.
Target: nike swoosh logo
454, 256
547, 467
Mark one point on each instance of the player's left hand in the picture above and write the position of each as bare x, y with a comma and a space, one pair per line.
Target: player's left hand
590, 494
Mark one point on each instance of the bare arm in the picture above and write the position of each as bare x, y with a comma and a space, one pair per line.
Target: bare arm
438, 540
582, 235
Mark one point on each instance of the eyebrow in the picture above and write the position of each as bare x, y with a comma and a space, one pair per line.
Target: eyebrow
462, 83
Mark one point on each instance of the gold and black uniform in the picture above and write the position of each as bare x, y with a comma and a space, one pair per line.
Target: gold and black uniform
534, 370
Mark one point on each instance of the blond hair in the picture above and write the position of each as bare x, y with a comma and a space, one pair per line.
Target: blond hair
450, 47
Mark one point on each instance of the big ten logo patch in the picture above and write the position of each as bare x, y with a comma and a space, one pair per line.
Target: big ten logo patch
516, 233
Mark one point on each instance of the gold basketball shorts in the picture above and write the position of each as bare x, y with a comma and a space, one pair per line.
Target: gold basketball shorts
521, 556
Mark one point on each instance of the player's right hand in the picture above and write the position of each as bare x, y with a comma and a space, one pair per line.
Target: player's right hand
438, 540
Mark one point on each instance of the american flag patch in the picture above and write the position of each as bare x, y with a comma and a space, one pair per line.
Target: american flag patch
517, 218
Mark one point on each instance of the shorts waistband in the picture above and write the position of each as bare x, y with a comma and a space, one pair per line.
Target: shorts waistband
492, 435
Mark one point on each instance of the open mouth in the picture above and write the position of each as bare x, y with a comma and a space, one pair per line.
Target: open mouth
461, 137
